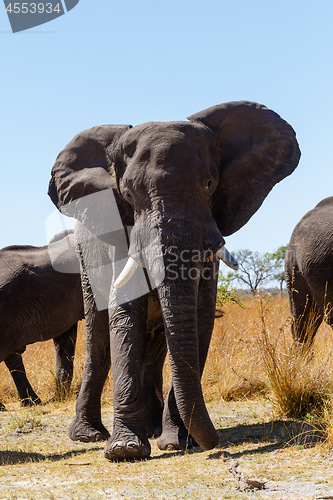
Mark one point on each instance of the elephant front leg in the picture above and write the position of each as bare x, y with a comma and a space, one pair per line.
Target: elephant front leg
127, 340
87, 425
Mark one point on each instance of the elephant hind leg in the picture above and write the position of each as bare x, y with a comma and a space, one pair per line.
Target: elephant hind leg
153, 382
175, 436
87, 425
25, 392
306, 315
65, 350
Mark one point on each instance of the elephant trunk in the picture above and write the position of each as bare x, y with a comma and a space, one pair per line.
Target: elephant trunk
179, 309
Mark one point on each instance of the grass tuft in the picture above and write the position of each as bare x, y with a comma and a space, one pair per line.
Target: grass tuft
299, 375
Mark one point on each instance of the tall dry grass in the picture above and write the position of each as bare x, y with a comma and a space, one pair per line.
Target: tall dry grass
252, 352
300, 375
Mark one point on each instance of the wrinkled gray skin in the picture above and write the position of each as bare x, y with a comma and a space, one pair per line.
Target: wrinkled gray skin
309, 272
38, 303
193, 182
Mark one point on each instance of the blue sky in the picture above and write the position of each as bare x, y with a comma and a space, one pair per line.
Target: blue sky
132, 62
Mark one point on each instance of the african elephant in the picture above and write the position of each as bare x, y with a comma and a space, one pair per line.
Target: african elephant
179, 188
309, 272
40, 299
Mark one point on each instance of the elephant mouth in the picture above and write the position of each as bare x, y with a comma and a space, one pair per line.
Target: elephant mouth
135, 260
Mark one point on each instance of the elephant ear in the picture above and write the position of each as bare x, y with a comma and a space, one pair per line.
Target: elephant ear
255, 149
81, 169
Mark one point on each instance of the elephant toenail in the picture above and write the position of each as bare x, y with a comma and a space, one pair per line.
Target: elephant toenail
132, 445
118, 445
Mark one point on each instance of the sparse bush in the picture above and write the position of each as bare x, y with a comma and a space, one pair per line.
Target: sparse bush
226, 293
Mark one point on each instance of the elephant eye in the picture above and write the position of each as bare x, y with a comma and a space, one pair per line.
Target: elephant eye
127, 195
209, 185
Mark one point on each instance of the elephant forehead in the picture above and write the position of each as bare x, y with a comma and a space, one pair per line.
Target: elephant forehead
166, 145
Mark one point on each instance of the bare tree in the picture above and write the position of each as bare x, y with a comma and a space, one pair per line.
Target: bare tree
256, 269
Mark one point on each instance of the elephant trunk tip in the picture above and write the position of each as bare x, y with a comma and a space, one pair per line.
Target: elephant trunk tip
211, 442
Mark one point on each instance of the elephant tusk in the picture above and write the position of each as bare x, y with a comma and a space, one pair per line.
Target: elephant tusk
227, 258
126, 274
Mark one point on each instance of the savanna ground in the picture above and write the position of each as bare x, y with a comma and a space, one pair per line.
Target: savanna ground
255, 383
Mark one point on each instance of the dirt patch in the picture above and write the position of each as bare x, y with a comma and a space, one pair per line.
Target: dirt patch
38, 460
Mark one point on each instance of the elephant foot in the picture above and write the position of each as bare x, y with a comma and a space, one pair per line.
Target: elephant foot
82, 430
120, 450
30, 401
124, 444
176, 438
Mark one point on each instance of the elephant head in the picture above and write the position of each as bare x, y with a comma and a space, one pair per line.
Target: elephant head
192, 183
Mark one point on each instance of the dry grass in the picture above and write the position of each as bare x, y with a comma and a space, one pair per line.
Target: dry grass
299, 375
235, 360
251, 353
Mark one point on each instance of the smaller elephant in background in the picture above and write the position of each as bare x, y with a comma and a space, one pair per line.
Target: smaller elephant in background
309, 272
64, 348
40, 299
